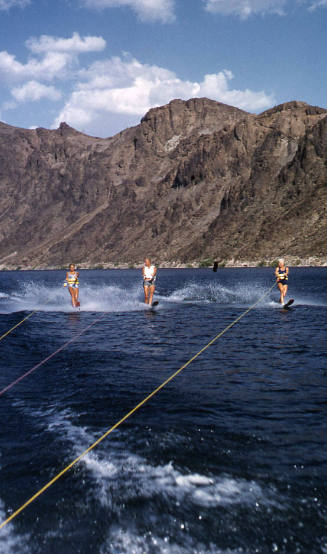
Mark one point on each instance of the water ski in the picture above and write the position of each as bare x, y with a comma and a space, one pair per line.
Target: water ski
288, 304
154, 304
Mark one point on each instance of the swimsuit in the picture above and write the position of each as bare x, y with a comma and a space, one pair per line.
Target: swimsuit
282, 277
72, 280
149, 277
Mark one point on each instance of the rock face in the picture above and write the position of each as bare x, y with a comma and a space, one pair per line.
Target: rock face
193, 180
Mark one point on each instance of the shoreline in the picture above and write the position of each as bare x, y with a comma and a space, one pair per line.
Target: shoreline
292, 261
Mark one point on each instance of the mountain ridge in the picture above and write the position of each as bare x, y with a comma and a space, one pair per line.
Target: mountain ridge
194, 180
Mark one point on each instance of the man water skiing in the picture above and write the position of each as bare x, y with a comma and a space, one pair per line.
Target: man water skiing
149, 273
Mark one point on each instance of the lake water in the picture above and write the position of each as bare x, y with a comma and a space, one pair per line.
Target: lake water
230, 457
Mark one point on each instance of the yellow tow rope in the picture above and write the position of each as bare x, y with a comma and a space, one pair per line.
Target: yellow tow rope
22, 321
129, 414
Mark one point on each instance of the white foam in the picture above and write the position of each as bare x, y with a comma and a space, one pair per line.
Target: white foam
11, 542
114, 298
239, 294
120, 475
195, 480
129, 542
214, 292
97, 298
228, 491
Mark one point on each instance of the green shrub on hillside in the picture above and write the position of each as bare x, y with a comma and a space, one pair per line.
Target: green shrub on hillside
208, 262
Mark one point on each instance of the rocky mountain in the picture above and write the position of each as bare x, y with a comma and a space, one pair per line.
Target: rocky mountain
194, 180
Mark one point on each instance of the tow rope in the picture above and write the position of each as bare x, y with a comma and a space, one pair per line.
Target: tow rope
131, 412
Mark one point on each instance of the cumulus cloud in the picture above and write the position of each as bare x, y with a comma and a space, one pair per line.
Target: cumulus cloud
245, 8
74, 44
216, 87
52, 65
111, 94
147, 10
33, 91
130, 88
7, 4
54, 57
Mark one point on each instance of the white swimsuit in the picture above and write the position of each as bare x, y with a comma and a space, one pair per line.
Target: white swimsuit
148, 275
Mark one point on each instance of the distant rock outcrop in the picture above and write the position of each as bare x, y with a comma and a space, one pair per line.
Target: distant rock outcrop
193, 180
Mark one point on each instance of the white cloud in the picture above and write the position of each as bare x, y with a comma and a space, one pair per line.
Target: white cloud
54, 57
34, 91
52, 65
7, 4
245, 8
216, 87
318, 4
129, 88
111, 94
147, 10
9, 105
75, 44
115, 72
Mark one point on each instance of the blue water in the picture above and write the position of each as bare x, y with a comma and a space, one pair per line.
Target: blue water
231, 457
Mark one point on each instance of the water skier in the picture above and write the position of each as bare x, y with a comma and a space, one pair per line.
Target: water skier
282, 279
149, 273
72, 282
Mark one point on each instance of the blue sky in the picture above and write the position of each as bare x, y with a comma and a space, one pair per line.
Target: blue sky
100, 65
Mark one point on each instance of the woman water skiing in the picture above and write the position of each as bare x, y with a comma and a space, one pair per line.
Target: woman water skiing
282, 279
149, 273
72, 283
